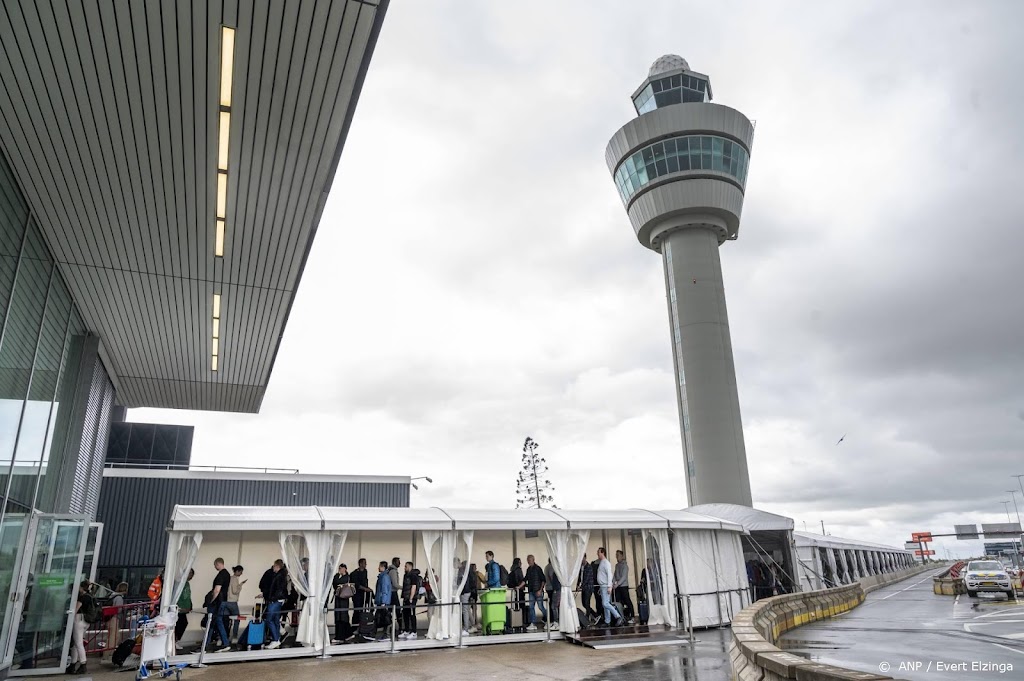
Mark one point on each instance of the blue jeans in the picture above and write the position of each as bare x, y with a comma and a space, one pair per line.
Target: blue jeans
273, 619
230, 608
609, 609
218, 619
536, 600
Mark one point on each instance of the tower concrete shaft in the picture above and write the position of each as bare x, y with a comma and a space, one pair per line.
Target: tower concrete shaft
680, 168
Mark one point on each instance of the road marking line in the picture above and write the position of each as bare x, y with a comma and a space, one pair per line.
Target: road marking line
907, 589
1012, 650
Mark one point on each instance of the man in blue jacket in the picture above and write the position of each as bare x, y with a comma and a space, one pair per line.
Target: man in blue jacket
382, 599
383, 595
493, 573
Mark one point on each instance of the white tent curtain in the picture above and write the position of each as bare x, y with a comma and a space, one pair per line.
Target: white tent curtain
732, 572
661, 581
566, 549
446, 551
332, 543
858, 570
697, 573
184, 559
844, 568
182, 549
296, 545
831, 556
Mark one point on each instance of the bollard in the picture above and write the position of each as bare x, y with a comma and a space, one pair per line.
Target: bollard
206, 639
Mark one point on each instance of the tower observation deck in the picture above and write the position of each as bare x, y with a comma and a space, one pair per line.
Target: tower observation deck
681, 169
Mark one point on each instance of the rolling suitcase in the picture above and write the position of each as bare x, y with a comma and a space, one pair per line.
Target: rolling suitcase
255, 635
644, 613
367, 630
256, 631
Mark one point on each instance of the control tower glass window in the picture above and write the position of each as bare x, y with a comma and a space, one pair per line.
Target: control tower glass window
671, 90
681, 154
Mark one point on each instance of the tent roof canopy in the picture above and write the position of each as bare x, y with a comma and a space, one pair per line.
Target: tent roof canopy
752, 519
811, 539
234, 518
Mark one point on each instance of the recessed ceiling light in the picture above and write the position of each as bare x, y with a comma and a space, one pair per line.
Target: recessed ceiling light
227, 62
222, 195
213, 363
222, 152
216, 306
218, 247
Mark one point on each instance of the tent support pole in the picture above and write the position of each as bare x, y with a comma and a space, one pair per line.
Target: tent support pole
394, 623
689, 618
206, 639
327, 636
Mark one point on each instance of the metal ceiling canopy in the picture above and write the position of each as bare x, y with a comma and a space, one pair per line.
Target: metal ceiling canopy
109, 117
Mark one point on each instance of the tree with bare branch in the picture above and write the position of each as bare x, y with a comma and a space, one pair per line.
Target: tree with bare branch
533, 489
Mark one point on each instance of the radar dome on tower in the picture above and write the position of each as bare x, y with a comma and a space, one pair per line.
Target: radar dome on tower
666, 63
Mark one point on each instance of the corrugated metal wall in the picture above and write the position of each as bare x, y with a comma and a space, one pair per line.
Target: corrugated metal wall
88, 474
135, 511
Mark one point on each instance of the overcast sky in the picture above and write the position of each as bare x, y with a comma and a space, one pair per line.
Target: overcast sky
475, 279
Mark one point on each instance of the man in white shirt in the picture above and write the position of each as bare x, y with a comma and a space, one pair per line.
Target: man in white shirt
604, 587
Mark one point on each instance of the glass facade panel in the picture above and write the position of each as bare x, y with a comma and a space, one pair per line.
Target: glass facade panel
664, 157
670, 90
35, 309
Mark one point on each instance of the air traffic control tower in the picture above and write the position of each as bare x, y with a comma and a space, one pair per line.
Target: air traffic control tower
681, 168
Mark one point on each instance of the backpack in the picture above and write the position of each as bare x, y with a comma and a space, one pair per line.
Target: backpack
92, 613
503, 575
123, 650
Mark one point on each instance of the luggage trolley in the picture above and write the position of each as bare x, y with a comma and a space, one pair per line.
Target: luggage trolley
154, 649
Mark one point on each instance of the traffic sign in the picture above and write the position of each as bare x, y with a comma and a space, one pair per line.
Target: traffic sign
926, 552
921, 536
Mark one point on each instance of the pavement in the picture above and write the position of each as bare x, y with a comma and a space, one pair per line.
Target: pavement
706, 661
906, 631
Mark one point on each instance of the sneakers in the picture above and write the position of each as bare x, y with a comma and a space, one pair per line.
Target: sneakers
552, 625
403, 636
335, 642
225, 649
532, 627
465, 632
273, 645
411, 636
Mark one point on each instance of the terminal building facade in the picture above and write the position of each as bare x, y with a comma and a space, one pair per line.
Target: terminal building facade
163, 170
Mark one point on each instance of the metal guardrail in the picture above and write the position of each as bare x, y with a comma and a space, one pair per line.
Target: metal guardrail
193, 467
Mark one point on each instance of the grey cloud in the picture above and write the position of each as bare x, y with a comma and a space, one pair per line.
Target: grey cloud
475, 278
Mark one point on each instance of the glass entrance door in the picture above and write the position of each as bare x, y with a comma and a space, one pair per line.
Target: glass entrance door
46, 594
12, 545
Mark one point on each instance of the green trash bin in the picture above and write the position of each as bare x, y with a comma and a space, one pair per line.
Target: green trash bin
492, 610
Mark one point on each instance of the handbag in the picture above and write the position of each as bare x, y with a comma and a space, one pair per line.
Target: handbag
346, 590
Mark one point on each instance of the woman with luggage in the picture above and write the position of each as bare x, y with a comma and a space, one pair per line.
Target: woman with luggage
344, 590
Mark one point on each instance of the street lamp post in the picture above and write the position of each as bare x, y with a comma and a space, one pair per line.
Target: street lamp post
422, 477
1013, 495
1019, 483
1006, 505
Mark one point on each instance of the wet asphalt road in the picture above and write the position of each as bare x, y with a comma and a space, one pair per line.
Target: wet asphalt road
906, 631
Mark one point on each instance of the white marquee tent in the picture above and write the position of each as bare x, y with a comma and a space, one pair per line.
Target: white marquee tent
692, 560
827, 561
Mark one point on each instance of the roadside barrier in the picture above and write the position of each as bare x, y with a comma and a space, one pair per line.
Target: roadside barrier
756, 629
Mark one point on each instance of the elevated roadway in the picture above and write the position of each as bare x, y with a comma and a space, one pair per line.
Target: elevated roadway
906, 631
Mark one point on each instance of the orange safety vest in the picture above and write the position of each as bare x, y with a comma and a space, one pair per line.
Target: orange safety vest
156, 588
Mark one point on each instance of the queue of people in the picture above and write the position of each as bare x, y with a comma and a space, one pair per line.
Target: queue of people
361, 611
